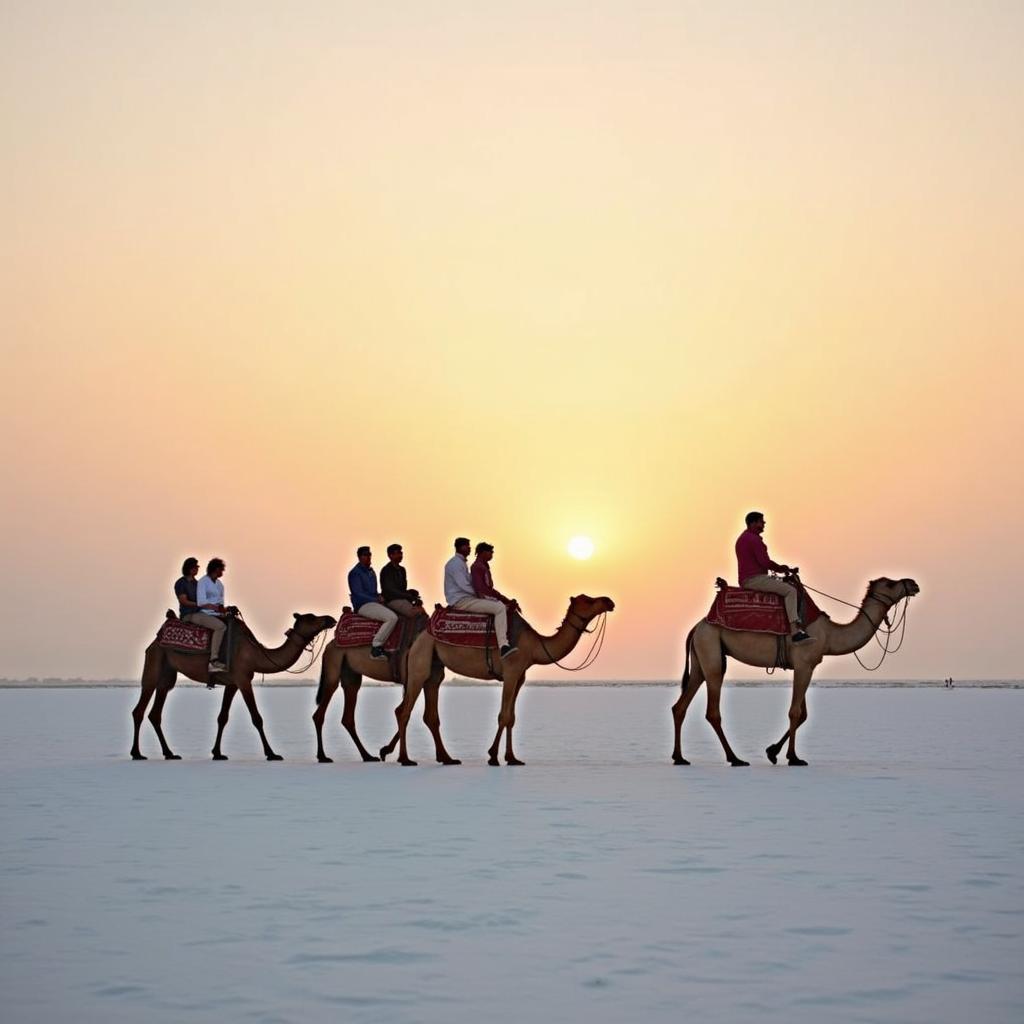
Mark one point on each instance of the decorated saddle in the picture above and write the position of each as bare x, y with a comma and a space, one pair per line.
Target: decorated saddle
756, 612
184, 636
356, 630
470, 629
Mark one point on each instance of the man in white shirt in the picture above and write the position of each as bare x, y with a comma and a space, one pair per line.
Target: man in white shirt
459, 593
210, 598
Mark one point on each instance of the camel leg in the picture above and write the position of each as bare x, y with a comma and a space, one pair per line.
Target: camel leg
403, 713
222, 719
138, 713
508, 691
696, 681
156, 717
775, 749
510, 757
432, 720
393, 742
798, 712
257, 719
318, 721
348, 719
714, 716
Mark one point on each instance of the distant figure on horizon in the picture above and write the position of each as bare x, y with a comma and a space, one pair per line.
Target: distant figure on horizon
186, 590
754, 565
460, 593
394, 586
210, 597
362, 585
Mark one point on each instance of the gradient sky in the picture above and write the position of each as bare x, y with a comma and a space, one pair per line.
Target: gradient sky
284, 278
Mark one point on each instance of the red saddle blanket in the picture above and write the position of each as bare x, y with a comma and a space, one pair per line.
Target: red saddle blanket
358, 631
462, 629
755, 612
184, 636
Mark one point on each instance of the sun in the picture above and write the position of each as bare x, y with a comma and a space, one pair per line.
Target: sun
581, 547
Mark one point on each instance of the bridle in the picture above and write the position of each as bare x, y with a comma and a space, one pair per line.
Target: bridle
595, 648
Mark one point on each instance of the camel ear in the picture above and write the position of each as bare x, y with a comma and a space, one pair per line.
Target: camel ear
295, 616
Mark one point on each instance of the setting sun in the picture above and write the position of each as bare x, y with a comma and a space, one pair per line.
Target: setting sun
581, 547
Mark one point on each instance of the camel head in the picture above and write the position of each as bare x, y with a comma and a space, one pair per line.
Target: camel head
890, 591
308, 625
587, 607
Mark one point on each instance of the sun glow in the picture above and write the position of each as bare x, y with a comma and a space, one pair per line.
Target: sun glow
581, 547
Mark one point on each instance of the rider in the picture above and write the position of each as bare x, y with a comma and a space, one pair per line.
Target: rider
754, 563
394, 586
362, 584
210, 598
460, 593
185, 590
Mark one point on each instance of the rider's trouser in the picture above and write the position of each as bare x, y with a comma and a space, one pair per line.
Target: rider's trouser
773, 585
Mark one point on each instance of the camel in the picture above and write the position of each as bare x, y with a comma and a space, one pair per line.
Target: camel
161, 668
472, 662
347, 666
708, 645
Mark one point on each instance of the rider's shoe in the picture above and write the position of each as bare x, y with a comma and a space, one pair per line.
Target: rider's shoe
218, 666
508, 649
377, 653
800, 637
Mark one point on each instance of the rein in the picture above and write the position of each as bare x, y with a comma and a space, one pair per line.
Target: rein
309, 647
595, 648
887, 630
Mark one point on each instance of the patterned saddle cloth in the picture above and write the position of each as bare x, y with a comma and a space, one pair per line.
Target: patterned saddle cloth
755, 612
470, 629
358, 631
184, 636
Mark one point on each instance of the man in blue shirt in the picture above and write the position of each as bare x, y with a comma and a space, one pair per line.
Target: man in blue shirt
366, 600
185, 589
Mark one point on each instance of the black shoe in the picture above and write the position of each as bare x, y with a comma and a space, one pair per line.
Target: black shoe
377, 653
507, 650
800, 637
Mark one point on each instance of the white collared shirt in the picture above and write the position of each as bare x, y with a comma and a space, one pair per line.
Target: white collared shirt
457, 581
209, 592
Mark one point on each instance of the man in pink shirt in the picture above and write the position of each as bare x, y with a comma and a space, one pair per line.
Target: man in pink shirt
483, 585
754, 565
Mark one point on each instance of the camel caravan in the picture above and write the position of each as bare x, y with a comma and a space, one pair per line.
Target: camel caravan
769, 621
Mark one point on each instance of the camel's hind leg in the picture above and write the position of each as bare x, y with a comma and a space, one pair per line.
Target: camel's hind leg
432, 720
348, 718
714, 716
325, 694
156, 715
693, 684
222, 719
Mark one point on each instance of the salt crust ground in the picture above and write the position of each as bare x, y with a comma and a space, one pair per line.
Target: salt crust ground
598, 883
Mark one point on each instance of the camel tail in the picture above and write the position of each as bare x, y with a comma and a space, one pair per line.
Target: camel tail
686, 668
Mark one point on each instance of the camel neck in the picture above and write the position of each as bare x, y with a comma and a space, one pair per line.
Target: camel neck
560, 644
277, 659
845, 638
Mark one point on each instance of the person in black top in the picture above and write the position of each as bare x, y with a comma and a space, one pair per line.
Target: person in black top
185, 589
394, 586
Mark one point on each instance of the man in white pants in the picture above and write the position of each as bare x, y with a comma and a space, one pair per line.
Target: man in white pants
210, 598
459, 593
366, 600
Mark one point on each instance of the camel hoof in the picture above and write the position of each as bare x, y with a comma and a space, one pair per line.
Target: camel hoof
172, 757
384, 753
406, 763
493, 761
138, 757
679, 759
773, 754
796, 762
274, 757
737, 763
324, 759
220, 757
514, 762
370, 759
449, 760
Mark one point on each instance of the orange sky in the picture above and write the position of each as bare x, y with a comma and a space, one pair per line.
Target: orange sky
283, 279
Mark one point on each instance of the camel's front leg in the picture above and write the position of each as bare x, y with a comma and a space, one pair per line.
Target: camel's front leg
695, 682
348, 719
403, 713
798, 712
318, 721
510, 757
245, 688
505, 713
156, 718
222, 719
714, 716
432, 720
775, 749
